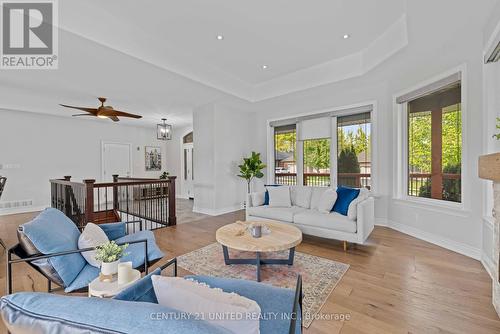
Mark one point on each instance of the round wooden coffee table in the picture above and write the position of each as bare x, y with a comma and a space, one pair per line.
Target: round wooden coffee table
237, 236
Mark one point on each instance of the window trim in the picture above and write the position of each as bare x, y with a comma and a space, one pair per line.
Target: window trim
332, 112
400, 191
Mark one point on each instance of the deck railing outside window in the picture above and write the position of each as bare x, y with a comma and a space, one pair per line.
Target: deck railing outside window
356, 180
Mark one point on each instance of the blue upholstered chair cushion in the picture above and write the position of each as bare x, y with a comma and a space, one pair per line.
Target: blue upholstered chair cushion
141, 291
52, 232
50, 313
272, 300
345, 196
87, 275
135, 254
114, 230
136, 251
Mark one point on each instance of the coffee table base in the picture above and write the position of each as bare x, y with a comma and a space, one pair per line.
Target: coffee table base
258, 261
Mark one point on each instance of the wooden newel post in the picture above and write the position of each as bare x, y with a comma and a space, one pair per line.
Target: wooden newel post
172, 218
67, 200
89, 200
115, 192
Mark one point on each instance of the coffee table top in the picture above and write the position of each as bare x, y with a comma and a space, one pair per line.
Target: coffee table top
237, 236
111, 288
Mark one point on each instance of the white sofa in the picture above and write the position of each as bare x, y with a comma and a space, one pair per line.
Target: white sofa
310, 221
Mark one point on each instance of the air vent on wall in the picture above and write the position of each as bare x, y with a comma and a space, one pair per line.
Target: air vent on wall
16, 204
493, 55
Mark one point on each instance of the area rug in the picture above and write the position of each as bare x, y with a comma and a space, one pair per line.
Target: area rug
319, 275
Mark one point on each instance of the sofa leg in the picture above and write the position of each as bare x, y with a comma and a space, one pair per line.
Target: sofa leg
345, 246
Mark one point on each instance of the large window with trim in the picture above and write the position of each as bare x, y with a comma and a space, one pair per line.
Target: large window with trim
324, 149
434, 146
285, 154
354, 150
317, 162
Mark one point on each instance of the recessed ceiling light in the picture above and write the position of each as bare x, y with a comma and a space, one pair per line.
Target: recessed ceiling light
346, 36
220, 37
264, 67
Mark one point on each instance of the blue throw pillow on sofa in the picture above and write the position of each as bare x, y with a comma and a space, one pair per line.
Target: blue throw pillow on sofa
266, 195
345, 196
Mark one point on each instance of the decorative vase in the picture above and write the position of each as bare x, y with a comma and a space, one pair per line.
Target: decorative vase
109, 268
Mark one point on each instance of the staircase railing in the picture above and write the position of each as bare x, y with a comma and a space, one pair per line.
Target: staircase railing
124, 199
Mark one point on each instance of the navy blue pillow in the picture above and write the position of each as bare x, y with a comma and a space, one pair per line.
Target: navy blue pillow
345, 196
266, 195
140, 291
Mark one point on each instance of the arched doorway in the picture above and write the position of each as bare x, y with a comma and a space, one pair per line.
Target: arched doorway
187, 170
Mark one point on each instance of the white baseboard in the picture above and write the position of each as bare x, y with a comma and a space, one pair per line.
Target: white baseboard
452, 245
24, 209
216, 212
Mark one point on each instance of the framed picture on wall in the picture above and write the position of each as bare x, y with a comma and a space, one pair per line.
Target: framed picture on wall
153, 158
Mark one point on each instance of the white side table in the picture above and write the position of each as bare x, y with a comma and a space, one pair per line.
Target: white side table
110, 288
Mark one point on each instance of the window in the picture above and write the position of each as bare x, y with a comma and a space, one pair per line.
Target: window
435, 144
317, 162
354, 150
324, 149
285, 166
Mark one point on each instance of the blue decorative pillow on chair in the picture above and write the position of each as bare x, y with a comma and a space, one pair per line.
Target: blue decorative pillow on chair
266, 196
345, 196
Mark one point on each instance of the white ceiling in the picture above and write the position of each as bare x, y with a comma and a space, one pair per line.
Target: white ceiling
162, 58
286, 35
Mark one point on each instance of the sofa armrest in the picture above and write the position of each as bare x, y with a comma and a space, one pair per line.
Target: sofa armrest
366, 218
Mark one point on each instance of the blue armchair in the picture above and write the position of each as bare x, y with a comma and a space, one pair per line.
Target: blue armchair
49, 243
136, 310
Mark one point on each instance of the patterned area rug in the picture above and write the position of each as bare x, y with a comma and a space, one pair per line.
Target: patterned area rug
319, 275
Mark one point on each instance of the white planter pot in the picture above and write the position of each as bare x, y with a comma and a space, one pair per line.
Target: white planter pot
109, 268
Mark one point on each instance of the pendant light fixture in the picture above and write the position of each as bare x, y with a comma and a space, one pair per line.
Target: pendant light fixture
164, 130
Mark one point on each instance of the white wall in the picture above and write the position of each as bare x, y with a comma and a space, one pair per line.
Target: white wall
433, 48
222, 137
204, 158
48, 147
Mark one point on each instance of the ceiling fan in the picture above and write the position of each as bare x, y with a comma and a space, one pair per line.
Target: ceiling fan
103, 111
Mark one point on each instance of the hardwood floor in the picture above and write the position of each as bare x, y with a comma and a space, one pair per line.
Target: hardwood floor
396, 283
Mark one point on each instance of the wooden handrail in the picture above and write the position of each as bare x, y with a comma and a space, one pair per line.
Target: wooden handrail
130, 183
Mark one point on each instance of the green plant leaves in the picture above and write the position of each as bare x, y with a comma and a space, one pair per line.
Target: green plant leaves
251, 167
110, 252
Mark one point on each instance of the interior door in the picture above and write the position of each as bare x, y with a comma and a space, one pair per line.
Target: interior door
188, 169
116, 159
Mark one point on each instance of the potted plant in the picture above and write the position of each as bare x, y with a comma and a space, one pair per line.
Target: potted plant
251, 167
164, 176
110, 254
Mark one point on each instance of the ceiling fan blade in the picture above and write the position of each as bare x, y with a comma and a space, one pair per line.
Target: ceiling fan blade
114, 112
92, 111
114, 118
82, 115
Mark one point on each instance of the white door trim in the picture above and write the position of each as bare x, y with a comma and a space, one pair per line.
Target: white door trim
103, 143
182, 192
